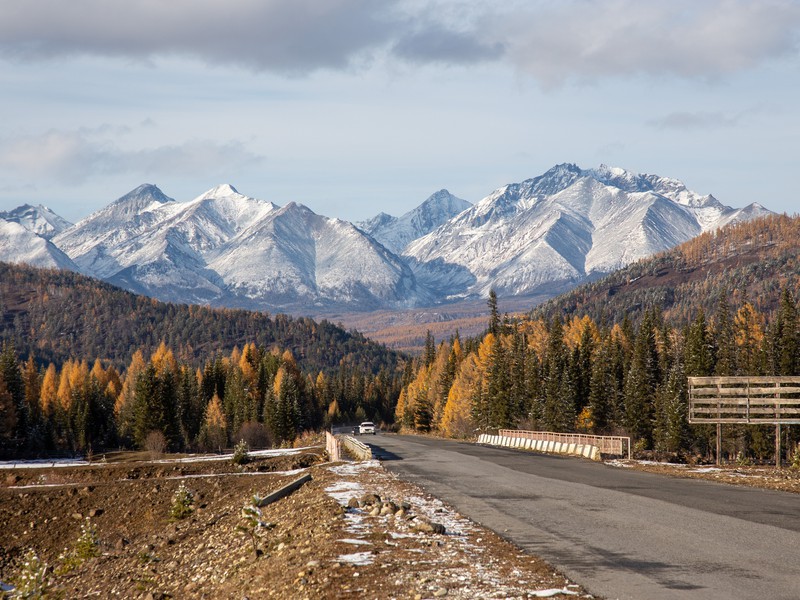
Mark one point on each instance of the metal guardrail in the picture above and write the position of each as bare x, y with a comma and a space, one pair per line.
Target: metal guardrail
358, 449
607, 444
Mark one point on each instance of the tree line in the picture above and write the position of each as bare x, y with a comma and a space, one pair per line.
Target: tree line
612, 378
259, 395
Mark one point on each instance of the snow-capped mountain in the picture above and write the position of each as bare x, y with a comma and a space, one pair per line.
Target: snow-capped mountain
19, 245
296, 257
540, 236
226, 248
397, 232
549, 233
38, 219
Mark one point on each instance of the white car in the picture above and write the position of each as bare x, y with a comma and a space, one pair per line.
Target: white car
367, 427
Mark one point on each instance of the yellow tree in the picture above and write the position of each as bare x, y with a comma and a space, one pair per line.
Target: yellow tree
748, 325
125, 397
214, 434
48, 395
64, 393
163, 360
457, 418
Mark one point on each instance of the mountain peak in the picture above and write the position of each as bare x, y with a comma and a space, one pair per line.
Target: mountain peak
37, 219
225, 189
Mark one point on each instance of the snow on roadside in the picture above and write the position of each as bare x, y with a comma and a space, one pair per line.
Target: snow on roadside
461, 563
49, 463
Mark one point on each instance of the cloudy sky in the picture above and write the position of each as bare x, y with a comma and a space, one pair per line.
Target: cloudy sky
358, 106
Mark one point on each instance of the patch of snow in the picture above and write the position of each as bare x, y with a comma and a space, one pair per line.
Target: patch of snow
44, 463
354, 468
552, 592
355, 542
357, 558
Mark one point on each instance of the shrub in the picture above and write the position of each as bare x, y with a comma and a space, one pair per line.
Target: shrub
182, 503
32, 580
155, 443
240, 455
86, 546
255, 434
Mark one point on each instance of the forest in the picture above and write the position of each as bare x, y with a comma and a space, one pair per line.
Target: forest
603, 378
257, 395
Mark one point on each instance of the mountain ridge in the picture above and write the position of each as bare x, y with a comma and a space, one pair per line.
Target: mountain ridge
543, 235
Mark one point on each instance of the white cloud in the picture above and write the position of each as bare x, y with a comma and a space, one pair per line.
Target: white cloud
587, 40
288, 36
551, 41
73, 157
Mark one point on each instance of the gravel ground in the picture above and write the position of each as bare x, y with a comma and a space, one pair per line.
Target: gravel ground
325, 540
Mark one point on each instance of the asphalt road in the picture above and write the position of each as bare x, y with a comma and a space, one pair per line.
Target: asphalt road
620, 533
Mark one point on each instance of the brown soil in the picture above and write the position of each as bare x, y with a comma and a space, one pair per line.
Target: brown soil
312, 545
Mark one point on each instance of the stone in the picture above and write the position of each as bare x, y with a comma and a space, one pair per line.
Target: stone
440, 592
352, 503
96, 512
77, 516
430, 527
370, 498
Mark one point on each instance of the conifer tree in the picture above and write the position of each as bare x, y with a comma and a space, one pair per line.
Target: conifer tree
724, 338
8, 415
9, 368
494, 315
430, 349
671, 431
641, 383
498, 386
603, 389
749, 333
786, 342
699, 359
558, 411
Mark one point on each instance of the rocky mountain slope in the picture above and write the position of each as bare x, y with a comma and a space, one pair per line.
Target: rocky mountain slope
564, 227
751, 261
38, 219
541, 236
397, 232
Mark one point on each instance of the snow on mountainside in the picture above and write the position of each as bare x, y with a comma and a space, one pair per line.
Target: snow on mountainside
397, 232
540, 236
298, 257
227, 248
37, 219
549, 233
19, 245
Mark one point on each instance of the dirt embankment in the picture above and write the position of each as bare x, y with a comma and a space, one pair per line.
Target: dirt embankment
307, 545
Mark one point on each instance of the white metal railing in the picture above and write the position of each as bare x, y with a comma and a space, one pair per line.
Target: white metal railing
358, 449
607, 444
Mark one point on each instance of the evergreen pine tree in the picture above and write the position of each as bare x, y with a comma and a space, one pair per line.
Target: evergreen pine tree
10, 371
671, 430
494, 315
724, 338
698, 356
641, 383
558, 412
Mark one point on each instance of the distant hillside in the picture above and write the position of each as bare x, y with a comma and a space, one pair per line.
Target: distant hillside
753, 260
57, 315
